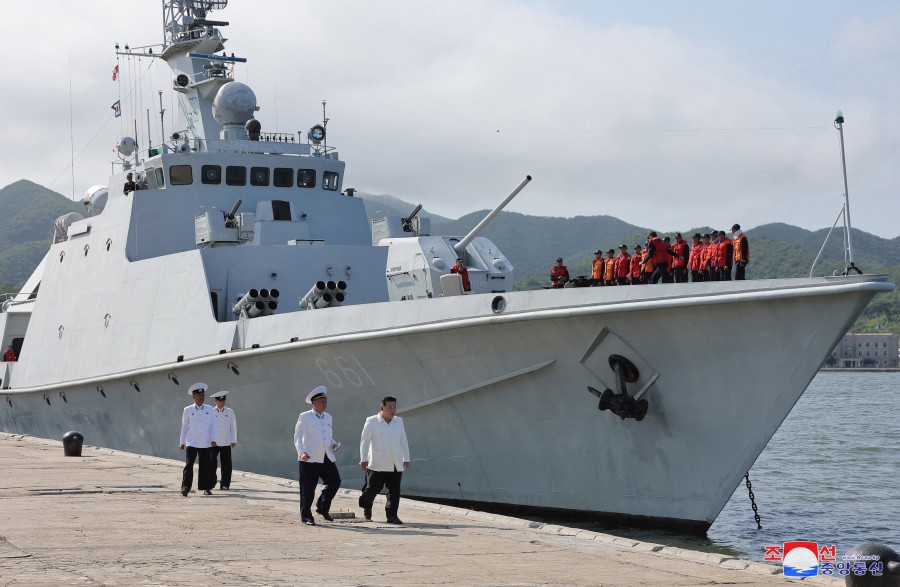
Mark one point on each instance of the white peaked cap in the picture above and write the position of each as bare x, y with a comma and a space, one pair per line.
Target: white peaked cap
321, 390
197, 387
220, 394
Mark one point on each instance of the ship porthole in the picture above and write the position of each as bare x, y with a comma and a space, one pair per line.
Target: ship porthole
62, 394
106, 321
233, 368
135, 386
173, 379
62, 254
498, 304
61, 330
100, 389
86, 249
46, 399
108, 243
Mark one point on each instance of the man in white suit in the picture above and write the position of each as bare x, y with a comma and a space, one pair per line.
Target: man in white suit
383, 455
315, 451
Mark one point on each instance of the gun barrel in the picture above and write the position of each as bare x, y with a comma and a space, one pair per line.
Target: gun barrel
460, 247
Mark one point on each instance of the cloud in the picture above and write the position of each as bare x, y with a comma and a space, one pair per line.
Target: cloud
451, 104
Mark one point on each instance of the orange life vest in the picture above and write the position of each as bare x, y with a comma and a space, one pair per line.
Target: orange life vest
635, 266
597, 268
660, 251
558, 271
696, 256
623, 264
610, 273
678, 249
739, 248
722, 253
461, 269
646, 262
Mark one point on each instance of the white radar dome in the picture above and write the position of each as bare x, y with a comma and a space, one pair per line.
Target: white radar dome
235, 103
126, 146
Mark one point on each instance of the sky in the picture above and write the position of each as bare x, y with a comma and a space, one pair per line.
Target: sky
669, 115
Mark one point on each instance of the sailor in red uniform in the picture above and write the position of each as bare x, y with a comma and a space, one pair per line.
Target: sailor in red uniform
681, 252
460, 268
559, 274
9, 355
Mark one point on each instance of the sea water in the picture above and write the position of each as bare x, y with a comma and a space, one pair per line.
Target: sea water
831, 474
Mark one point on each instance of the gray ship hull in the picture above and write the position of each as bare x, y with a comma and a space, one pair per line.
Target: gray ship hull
496, 405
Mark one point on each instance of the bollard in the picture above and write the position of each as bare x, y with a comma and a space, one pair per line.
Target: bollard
867, 554
72, 442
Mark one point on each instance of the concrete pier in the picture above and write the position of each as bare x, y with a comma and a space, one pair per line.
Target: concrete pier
113, 518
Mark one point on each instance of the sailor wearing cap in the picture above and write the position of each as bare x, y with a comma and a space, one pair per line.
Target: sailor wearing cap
559, 274
130, 186
198, 431
226, 439
315, 450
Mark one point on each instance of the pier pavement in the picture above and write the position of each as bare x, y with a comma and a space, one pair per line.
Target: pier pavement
115, 518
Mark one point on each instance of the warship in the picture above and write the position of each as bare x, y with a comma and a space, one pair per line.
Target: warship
241, 261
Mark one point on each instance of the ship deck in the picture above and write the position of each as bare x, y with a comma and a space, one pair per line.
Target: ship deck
111, 517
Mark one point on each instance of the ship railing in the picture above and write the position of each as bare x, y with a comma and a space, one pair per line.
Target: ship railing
9, 299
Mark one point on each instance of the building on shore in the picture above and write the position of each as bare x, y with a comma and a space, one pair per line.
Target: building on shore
865, 350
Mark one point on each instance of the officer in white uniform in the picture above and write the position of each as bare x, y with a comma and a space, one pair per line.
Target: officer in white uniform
383, 455
315, 451
226, 439
198, 433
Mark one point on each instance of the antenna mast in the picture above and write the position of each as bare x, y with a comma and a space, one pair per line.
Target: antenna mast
839, 124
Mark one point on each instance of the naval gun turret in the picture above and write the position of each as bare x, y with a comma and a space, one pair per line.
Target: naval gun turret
416, 263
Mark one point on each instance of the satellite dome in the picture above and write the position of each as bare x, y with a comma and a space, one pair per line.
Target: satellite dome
126, 146
235, 103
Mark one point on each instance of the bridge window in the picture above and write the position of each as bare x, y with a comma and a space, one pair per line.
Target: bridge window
211, 174
306, 178
283, 177
259, 176
330, 180
160, 177
181, 175
236, 175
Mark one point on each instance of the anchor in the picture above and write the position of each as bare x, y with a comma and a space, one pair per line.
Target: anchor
622, 404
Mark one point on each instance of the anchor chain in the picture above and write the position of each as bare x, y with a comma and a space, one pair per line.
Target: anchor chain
752, 501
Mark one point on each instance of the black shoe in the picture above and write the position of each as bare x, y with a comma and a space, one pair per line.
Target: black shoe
223, 488
394, 520
207, 492
309, 521
184, 492
367, 513
325, 515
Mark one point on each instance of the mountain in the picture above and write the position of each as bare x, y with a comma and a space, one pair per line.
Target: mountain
27, 212
532, 243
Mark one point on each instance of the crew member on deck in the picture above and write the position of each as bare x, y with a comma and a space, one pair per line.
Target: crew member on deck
741, 252
726, 256
9, 355
681, 252
460, 268
226, 439
559, 275
637, 264
130, 186
695, 258
658, 252
623, 265
597, 266
609, 271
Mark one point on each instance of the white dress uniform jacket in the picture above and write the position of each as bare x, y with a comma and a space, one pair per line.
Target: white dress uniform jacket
226, 427
198, 426
312, 435
383, 444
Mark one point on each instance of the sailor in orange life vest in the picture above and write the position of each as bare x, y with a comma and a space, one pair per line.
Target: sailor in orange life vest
741, 252
659, 254
559, 274
464, 273
708, 249
681, 252
315, 451
636, 262
694, 258
597, 266
623, 265
667, 277
726, 254
9, 355
609, 270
